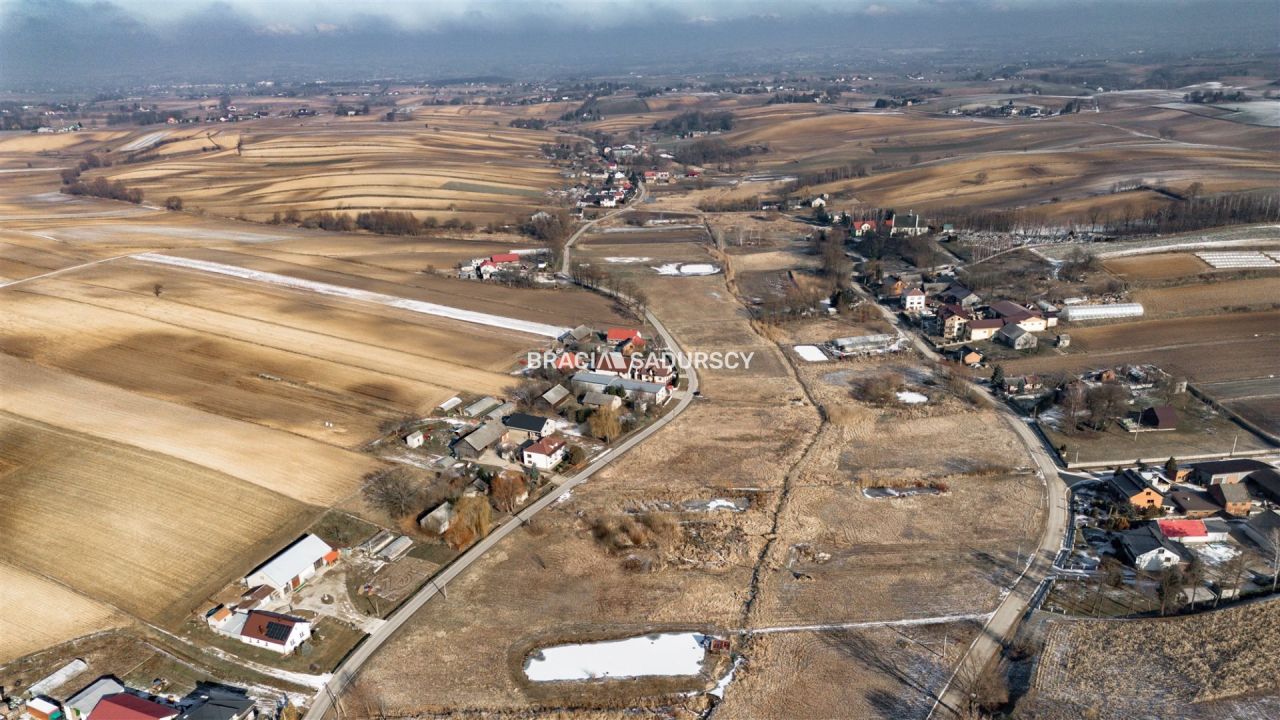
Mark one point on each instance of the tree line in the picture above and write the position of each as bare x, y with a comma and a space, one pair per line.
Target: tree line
696, 121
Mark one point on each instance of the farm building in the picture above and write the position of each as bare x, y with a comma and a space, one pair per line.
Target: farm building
1263, 529
1192, 505
273, 631
477, 441
80, 705
41, 708
1233, 497
450, 404
983, 329
56, 679
1016, 337
1216, 472
438, 520
1078, 313
396, 549
578, 334
124, 706
414, 439
293, 566
865, 345
599, 400
528, 427
959, 295
480, 407
501, 411
556, 396
545, 454
1265, 484
1159, 417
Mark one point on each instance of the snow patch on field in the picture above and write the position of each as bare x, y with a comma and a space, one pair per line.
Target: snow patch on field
811, 353
665, 654
687, 269
912, 398
418, 306
626, 260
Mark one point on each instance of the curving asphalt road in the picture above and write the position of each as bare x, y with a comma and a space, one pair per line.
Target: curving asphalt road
350, 667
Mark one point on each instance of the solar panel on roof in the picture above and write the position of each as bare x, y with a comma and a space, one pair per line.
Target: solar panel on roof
278, 631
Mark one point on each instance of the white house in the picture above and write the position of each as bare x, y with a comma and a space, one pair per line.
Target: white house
414, 439
545, 454
913, 300
293, 566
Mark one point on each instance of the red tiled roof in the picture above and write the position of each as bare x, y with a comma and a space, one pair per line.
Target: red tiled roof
620, 334
505, 258
123, 706
258, 626
546, 446
1182, 528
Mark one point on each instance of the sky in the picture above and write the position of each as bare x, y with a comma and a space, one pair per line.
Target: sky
88, 43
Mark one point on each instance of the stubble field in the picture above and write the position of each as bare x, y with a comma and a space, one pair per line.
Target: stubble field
161, 536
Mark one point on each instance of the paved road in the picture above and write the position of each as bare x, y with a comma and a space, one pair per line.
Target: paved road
350, 668
568, 244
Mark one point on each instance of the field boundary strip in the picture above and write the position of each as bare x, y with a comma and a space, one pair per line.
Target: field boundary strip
417, 306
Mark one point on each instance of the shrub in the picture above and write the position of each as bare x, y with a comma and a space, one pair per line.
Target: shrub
173, 202
879, 389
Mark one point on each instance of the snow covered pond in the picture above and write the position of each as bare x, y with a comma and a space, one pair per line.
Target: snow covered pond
912, 398
665, 654
687, 269
811, 353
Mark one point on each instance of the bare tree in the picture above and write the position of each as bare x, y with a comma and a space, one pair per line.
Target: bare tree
393, 491
157, 289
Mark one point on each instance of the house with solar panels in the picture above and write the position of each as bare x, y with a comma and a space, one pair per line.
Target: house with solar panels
264, 629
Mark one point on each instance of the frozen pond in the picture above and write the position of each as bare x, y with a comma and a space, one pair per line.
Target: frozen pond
664, 654
912, 398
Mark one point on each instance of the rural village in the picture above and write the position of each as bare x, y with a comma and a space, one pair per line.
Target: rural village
921, 395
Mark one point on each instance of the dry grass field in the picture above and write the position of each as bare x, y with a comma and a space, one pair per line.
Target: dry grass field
920, 556
1159, 266
1169, 667
1208, 298
876, 673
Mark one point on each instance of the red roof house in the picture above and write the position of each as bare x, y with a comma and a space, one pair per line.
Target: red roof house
504, 258
617, 335
1183, 529
123, 706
